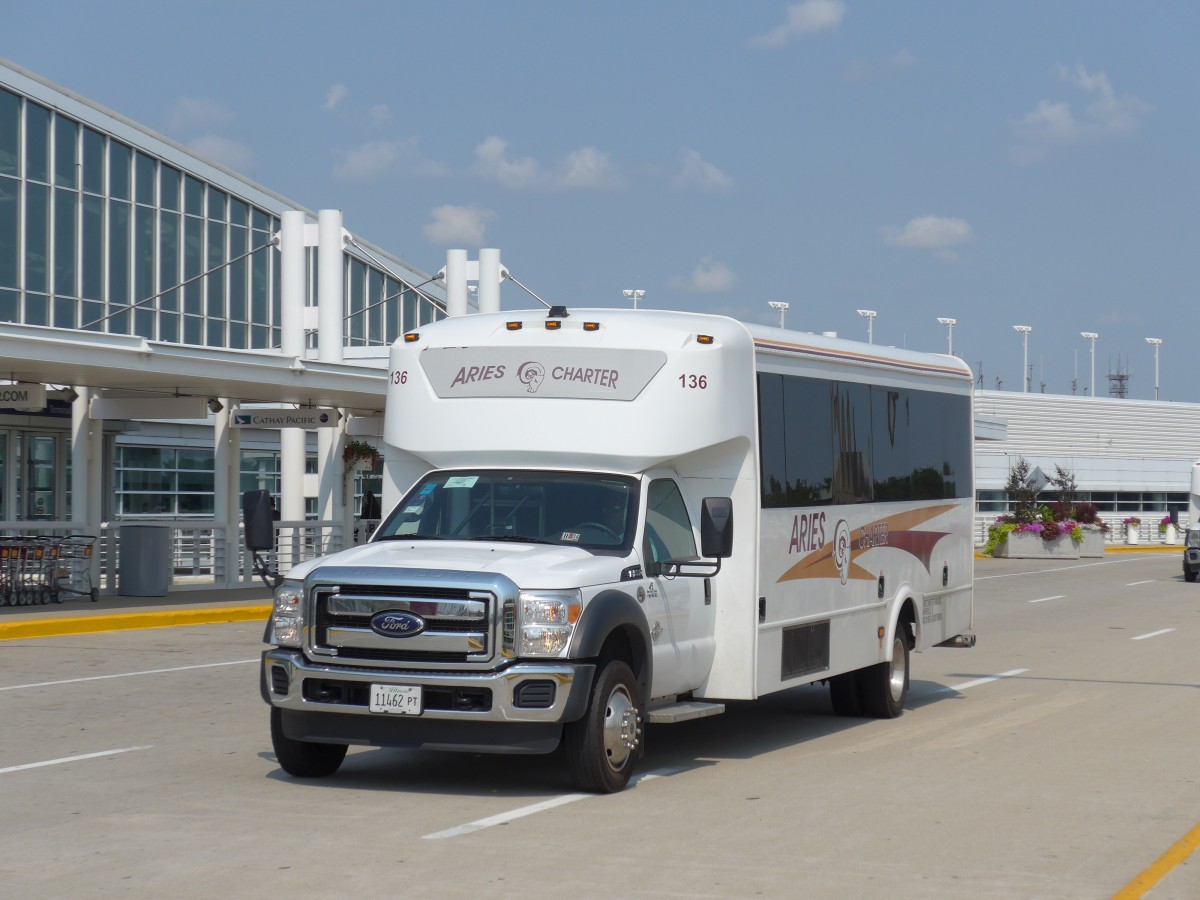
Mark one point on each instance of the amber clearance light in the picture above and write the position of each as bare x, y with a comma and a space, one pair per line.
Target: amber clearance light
704, 339
412, 337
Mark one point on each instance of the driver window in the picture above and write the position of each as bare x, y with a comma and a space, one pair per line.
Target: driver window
668, 528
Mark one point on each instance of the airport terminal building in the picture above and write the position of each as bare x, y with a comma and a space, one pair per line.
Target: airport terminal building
147, 294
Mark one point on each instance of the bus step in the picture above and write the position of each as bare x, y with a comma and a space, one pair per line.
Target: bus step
681, 712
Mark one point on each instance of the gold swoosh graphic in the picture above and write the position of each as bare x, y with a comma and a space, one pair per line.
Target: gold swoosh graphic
901, 536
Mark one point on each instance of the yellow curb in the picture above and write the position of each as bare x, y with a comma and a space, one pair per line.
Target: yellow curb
55, 627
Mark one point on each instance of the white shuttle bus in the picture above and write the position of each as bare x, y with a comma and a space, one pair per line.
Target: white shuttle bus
602, 518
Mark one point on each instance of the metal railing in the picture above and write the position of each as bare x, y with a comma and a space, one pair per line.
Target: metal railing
202, 555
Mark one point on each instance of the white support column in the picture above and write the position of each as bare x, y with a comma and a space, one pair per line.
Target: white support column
331, 306
87, 473
227, 507
331, 310
292, 278
456, 282
489, 280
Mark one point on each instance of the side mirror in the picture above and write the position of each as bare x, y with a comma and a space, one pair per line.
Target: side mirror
258, 516
716, 528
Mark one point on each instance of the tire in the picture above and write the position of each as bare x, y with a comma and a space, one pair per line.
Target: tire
845, 694
885, 685
603, 747
303, 759
1189, 575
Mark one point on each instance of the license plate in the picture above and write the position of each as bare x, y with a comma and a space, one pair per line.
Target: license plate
396, 699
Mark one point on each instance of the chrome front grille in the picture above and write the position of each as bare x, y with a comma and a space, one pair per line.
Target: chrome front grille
459, 624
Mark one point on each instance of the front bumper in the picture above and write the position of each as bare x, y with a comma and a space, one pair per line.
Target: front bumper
1191, 559
551, 692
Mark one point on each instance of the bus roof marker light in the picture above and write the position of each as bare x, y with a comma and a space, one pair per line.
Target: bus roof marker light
704, 339
591, 326
412, 337
553, 324
513, 326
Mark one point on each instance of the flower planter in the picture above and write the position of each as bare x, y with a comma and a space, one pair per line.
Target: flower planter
1020, 545
1092, 544
1169, 536
1131, 534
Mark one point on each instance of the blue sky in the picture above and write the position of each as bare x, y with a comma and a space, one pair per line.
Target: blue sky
998, 163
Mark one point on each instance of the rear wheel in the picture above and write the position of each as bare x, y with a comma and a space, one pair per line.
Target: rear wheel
602, 748
304, 759
885, 685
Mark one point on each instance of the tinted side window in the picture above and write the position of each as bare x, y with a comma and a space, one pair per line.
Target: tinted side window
771, 441
808, 428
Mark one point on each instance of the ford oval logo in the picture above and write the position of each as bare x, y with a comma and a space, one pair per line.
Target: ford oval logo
397, 624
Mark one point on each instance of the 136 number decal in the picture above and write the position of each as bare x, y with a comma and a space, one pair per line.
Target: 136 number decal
399, 377
694, 382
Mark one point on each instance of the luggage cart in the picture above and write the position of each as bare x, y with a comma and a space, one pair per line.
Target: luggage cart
27, 570
73, 568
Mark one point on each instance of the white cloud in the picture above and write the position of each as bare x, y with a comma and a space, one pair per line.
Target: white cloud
804, 18
229, 153
380, 114
457, 225
375, 159
709, 277
936, 233
1051, 125
586, 168
335, 95
191, 114
699, 174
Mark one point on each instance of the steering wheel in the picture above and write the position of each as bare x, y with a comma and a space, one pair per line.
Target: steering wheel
598, 526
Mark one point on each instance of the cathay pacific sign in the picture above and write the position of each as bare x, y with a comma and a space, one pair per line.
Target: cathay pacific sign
284, 418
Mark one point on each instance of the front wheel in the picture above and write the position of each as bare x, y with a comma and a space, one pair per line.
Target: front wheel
885, 685
602, 747
1189, 575
304, 759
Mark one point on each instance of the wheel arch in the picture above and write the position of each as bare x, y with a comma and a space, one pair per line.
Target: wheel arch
613, 626
905, 613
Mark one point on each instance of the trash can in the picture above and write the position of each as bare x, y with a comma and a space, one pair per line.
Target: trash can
145, 560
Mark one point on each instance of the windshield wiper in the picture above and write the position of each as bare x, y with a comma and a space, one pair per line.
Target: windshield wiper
517, 538
411, 537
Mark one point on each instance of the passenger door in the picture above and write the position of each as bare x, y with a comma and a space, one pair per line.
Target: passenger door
679, 608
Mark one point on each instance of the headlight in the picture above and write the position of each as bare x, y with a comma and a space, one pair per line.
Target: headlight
1193, 537
547, 620
287, 619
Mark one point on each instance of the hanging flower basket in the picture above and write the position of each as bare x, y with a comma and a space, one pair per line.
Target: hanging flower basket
359, 455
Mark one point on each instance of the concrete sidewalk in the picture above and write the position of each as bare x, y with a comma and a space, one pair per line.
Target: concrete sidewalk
117, 613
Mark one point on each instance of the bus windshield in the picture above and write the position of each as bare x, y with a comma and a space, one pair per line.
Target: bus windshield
586, 509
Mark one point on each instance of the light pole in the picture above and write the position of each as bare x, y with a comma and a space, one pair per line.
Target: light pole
635, 296
1024, 330
1155, 343
949, 323
1091, 336
780, 305
869, 315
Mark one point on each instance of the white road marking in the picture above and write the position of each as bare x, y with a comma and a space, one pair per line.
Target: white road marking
1142, 637
520, 813
236, 662
1044, 599
978, 681
1136, 583
67, 759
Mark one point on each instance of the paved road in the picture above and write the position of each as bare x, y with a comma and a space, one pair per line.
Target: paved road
1058, 759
